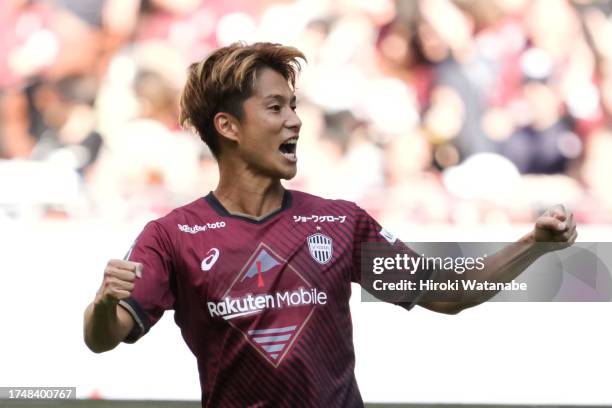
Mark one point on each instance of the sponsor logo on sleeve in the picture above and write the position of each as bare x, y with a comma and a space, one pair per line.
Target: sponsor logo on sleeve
388, 236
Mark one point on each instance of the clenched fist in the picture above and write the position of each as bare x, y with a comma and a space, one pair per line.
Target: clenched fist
556, 225
118, 282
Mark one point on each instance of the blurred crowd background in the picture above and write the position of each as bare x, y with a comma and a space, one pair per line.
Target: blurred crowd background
424, 112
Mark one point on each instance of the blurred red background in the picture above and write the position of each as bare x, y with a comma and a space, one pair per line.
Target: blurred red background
424, 112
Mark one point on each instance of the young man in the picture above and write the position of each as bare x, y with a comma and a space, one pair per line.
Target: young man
260, 277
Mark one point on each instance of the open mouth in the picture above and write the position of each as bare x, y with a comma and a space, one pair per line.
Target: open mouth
288, 149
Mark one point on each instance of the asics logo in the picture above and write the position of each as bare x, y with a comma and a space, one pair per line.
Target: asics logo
211, 257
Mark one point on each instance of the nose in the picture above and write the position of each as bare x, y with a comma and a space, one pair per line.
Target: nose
293, 122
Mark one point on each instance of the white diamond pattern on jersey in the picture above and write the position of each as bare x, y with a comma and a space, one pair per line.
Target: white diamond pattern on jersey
273, 340
270, 302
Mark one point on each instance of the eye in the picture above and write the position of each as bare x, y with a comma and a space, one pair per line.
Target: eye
294, 107
275, 108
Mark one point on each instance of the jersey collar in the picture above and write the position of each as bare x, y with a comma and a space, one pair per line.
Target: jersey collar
218, 207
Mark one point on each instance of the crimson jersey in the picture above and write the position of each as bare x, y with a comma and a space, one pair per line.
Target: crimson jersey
263, 305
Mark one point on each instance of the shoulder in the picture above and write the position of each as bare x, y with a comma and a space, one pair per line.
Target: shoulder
184, 218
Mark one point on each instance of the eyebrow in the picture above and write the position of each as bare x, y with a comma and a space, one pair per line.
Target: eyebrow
281, 98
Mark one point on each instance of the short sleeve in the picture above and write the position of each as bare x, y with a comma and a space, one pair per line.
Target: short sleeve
370, 240
152, 293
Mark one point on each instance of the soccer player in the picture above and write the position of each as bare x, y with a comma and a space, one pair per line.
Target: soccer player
259, 276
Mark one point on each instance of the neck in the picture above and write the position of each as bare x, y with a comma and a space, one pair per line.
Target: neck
244, 192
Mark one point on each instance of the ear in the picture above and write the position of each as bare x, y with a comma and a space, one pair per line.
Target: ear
227, 126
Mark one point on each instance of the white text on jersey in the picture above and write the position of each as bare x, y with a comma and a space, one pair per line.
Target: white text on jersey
199, 228
230, 308
319, 218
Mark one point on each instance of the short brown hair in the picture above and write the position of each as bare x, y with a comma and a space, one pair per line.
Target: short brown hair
222, 81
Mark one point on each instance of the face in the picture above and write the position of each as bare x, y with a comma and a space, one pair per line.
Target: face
268, 134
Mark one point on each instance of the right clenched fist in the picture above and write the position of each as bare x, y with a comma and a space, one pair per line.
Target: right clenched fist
118, 282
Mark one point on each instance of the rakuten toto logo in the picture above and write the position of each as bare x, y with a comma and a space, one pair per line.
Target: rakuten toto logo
199, 228
271, 302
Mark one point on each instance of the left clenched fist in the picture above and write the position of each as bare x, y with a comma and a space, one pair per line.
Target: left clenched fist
556, 225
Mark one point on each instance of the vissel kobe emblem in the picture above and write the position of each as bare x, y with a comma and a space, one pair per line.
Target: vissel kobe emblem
321, 247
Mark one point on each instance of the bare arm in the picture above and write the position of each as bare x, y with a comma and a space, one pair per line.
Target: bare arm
554, 226
106, 324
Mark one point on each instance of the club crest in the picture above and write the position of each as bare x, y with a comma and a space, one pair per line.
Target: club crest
321, 247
